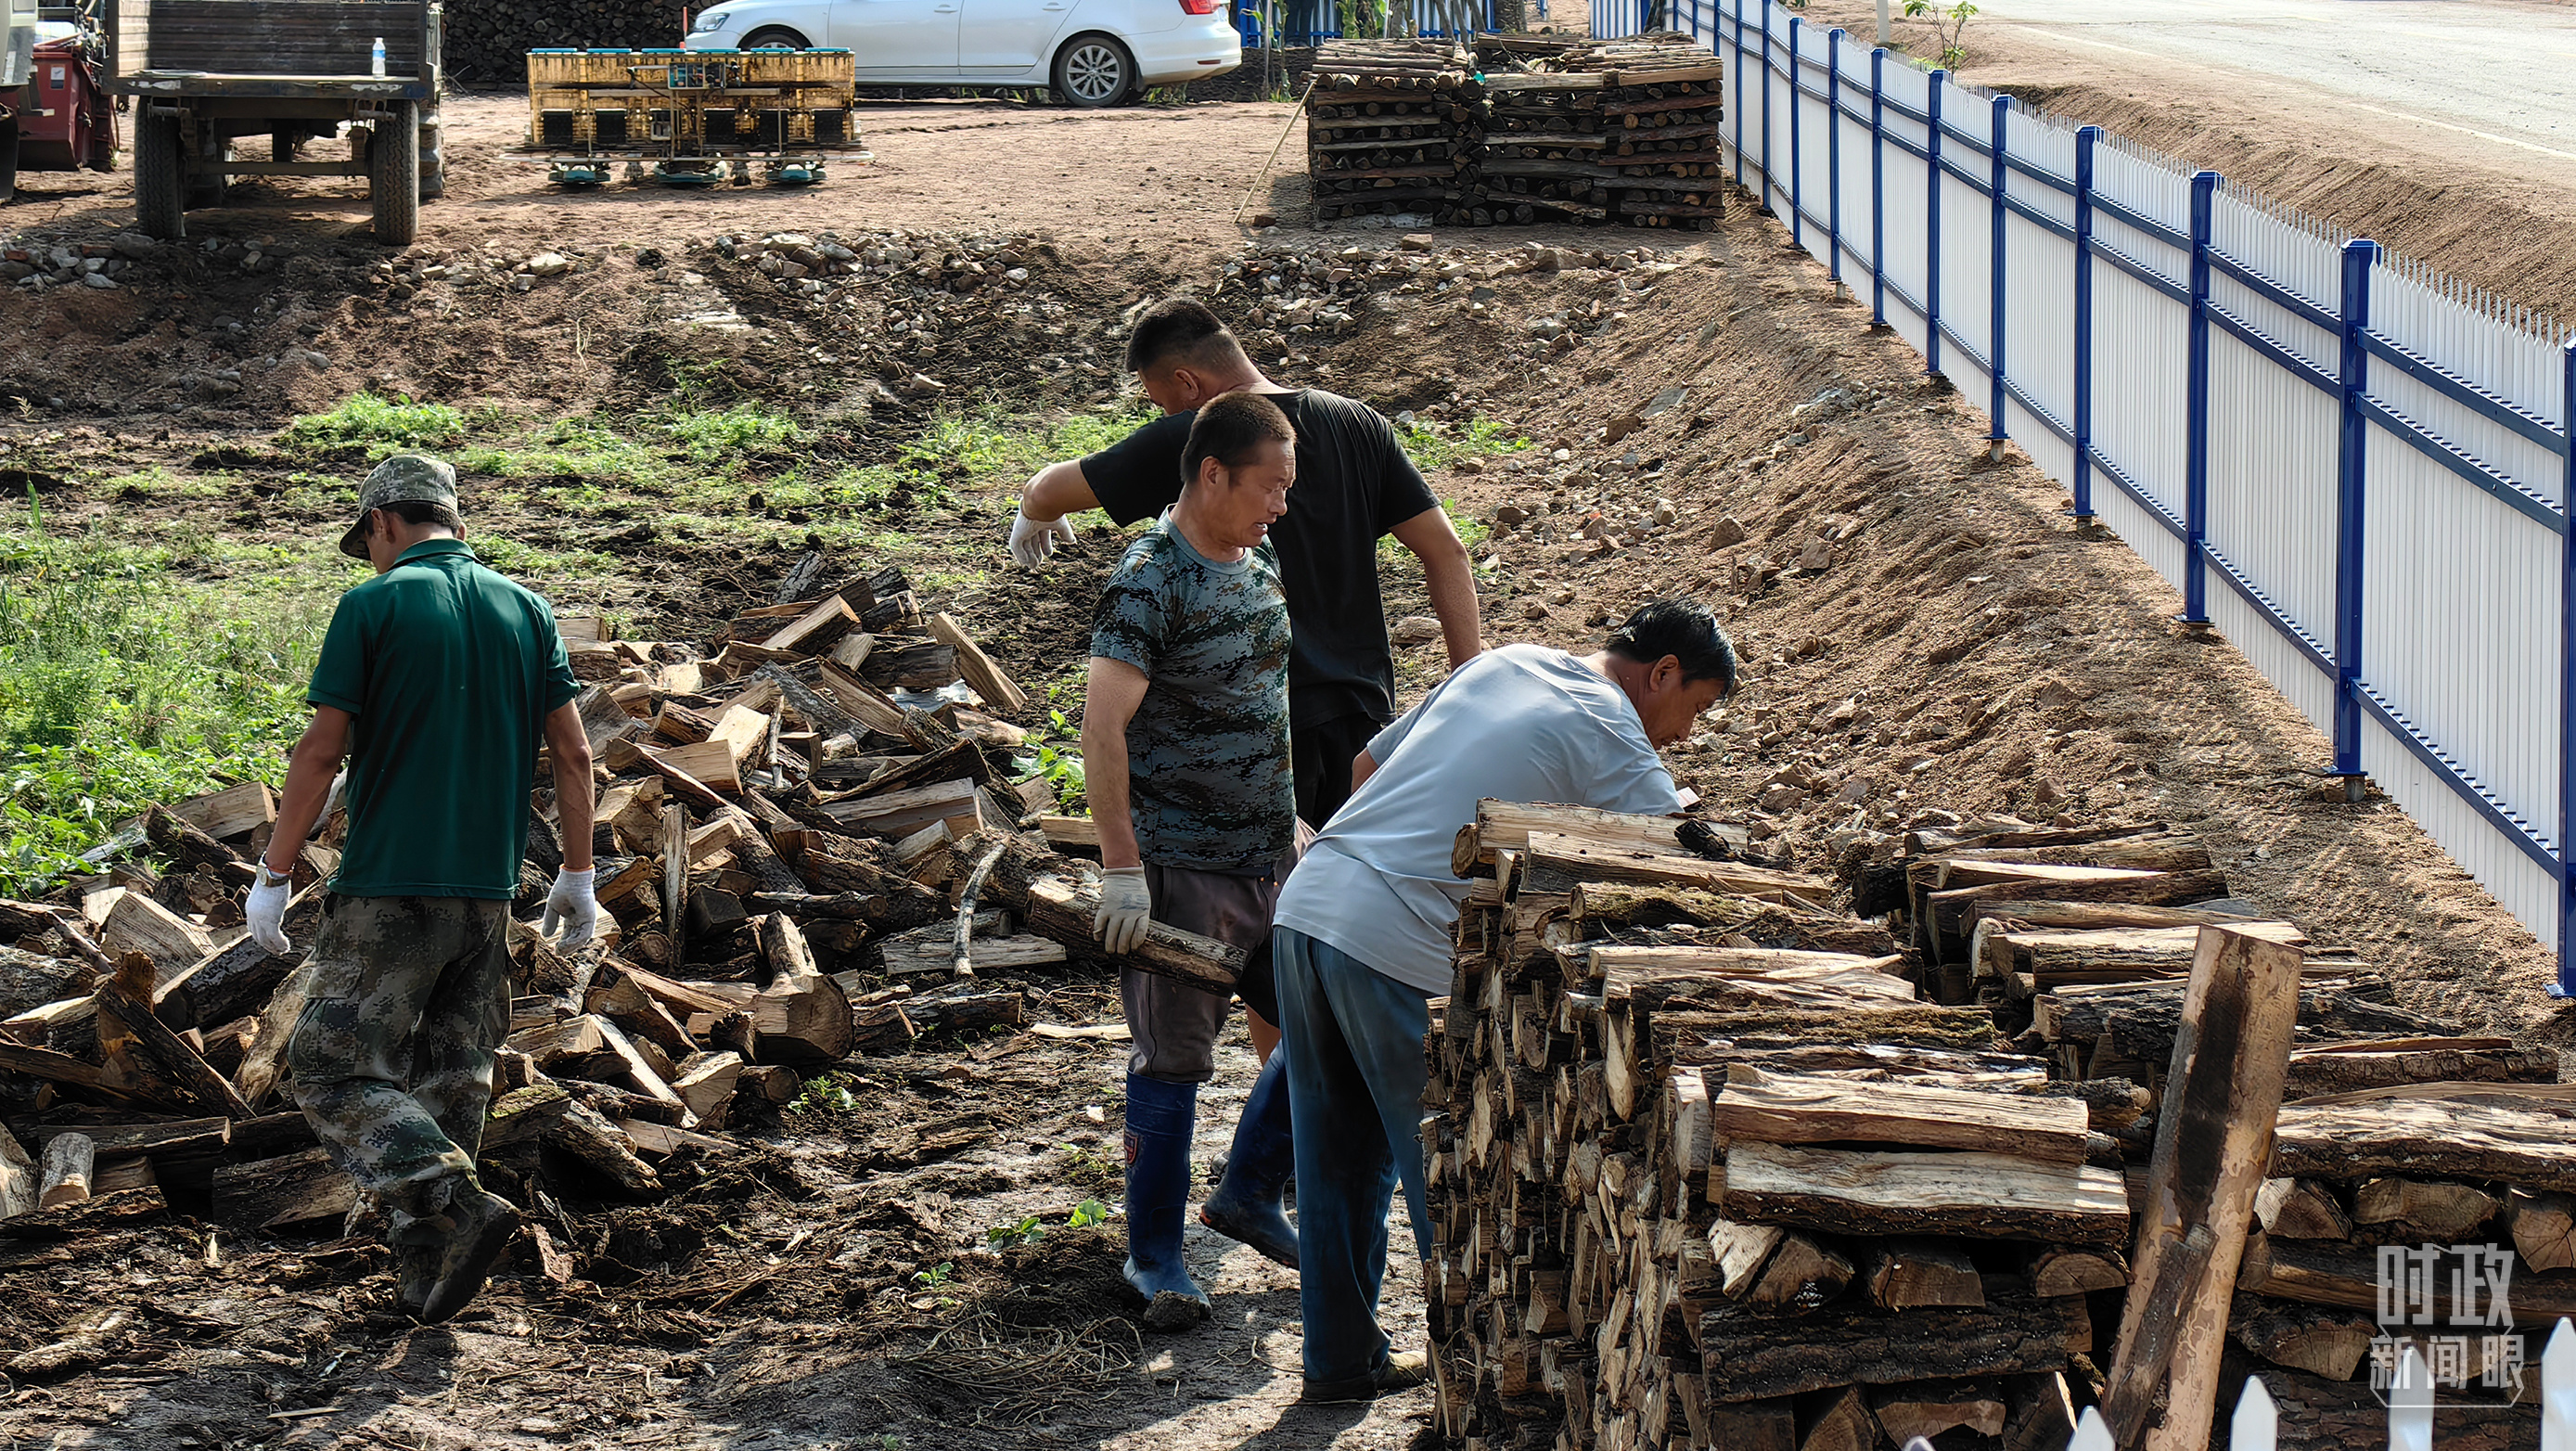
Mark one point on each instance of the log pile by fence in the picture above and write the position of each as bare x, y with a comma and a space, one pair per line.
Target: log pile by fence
1391, 126
1613, 130
795, 865
488, 40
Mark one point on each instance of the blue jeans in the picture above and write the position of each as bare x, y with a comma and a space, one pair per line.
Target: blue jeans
1355, 1077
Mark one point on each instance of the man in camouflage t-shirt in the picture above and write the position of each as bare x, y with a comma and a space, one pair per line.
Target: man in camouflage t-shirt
1192, 784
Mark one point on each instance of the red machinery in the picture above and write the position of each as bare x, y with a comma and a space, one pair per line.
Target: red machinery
62, 120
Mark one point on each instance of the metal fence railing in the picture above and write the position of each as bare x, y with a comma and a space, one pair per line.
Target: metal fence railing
2355, 468
1286, 23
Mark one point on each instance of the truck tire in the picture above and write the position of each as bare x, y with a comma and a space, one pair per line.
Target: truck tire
433, 152
393, 161
8, 158
159, 189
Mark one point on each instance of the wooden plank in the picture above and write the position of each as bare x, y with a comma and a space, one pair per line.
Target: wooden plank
2213, 1143
1993, 1196
1794, 1109
989, 679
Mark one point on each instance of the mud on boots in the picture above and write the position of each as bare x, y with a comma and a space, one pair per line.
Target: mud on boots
1159, 1118
1246, 1204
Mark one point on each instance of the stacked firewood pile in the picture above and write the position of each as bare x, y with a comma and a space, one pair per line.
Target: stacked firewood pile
1391, 127
1620, 129
1710, 1167
1649, 1230
487, 41
797, 863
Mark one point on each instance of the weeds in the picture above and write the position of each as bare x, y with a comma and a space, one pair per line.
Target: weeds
1437, 445
1949, 26
1059, 765
122, 685
825, 1092
381, 426
1012, 1236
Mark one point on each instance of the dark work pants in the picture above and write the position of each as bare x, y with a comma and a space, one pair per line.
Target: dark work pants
1323, 760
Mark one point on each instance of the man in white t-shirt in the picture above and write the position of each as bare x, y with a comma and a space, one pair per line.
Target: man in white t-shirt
1362, 932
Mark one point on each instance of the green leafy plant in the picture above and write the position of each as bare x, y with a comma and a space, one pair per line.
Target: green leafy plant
1433, 445
1949, 26
828, 1092
1011, 1236
1057, 761
1088, 1213
934, 1277
380, 425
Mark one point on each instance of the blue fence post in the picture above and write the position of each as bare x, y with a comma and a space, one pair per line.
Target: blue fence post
2353, 372
1996, 433
1878, 187
1765, 163
2566, 984
1834, 157
2086, 138
1932, 226
1733, 13
1797, 183
2195, 570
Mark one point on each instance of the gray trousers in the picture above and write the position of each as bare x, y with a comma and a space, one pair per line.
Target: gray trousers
1172, 1027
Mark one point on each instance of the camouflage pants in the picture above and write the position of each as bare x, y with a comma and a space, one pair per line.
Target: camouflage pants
392, 1057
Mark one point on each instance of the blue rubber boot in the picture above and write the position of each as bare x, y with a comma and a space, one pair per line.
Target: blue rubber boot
1159, 1117
1245, 1205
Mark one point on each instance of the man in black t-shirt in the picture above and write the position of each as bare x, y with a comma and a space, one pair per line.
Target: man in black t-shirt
1354, 485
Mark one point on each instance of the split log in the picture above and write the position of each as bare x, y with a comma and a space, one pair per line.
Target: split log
145, 1059
897, 813
165, 1138
802, 1018
237, 979
1842, 1422
1063, 911
1845, 1191
2443, 1212
2317, 1341
236, 811
138, 924
989, 679
1750, 1355
2300, 1209
1928, 1411
1507, 825
581, 1131
2230, 1061
1908, 1274
2516, 1140
293, 1189
2041, 1413
68, 1161
2058, 1271
2544, 1228
1553, 862
21, 1181
706, 1084
1803, 1276
1786, 1109
522, 1115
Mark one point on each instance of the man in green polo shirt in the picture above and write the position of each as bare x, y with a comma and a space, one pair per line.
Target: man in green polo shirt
438, 679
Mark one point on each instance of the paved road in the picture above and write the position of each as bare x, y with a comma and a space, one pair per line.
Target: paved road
2501, 71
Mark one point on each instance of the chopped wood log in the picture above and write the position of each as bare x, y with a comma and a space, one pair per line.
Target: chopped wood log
675, 876
1507, 825
569, 1048
581, 1131
706, 1084
235, 811
1841, 1423
1908, 1274
816, 630
1744, 1425
2443, 1212
969, 1012
1062, 911
86, 1218
55, 1067
1927, 1411
1553, 862
2519, 1140
185, 845
2040, 1413
2544, 1227
237, 979
664, 1140
989, 679
1803, 1276
1751, 1355
21, 1181
802, 1018
68, 1160
637, 1069
2058, 1271
897, 813
138, 924
1740, 1251
2231, 1058
293, 1189
1787, 1109
1843, 1191
522, 1115
145, 1059
987, 954
2300, 1209
1079, 832
165, 1138
2319, 1342
2351, 1068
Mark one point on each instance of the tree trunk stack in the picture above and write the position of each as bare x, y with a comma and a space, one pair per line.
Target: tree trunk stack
1594, 132
1391, 127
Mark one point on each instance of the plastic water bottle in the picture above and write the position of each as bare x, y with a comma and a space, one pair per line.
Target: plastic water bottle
380, 55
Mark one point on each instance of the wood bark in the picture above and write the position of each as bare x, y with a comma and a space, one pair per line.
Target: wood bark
292, 1189
68, 1161
1786, 1109
1845, 1191
1909, 1274
1750, 1354
2231, 1058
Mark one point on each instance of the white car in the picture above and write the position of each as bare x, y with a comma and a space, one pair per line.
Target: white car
1093, 52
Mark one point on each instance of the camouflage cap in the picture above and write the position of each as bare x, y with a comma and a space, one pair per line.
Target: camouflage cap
404, 476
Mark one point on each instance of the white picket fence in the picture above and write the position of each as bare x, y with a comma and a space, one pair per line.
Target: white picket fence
2256, 1426
2356, 469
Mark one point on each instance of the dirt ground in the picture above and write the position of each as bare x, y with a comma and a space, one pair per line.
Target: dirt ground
1924, 632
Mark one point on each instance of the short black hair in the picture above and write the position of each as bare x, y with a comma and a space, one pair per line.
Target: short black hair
1229, 428
1182, 330
417, 512
1683, 629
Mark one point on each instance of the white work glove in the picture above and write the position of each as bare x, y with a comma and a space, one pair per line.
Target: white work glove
571, 905
1032, 542
1125, 908
266, 910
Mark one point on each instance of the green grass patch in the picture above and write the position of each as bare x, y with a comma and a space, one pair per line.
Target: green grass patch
732, 436
381, 426
122, 684
1438, 445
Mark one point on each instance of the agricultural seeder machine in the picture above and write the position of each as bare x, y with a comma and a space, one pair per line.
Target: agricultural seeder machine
691, 118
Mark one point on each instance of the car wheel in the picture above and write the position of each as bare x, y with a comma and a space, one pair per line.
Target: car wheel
775, 37
1094, 71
